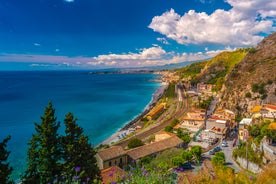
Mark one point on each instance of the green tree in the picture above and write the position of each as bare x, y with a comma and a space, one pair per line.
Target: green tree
248, 95
187, 155
168, 129
271, 134
184, 135
254, 130
44, 152
196, 152
174, 122
133, 143
219, 159
78, 154
177, 161
5, 169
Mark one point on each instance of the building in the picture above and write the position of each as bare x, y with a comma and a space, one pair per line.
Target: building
256, 111
156, 111
154, 148
268, 112
113, 156
243, 128
192, 124
218, 127
112, 174
217, 122
204, 87
225, 114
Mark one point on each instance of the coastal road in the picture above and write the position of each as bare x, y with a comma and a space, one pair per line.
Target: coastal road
228, 155
175, 111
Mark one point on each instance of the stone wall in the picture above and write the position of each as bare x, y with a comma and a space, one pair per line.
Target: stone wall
255, 168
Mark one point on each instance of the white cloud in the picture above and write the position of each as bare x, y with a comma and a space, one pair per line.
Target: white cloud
163, 40
146, 53
239, 26
151, 57
69, 1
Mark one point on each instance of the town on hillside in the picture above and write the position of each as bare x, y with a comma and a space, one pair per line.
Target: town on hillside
188, 134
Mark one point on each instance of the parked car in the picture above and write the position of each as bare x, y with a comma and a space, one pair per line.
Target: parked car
224, 144
217, 148
211, 152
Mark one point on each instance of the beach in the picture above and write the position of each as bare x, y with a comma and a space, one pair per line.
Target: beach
132, 125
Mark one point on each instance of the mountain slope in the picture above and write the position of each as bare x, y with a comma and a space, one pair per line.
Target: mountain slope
213, 71
253, 80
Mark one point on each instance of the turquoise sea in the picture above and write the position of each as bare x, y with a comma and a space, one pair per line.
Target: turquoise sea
102, 103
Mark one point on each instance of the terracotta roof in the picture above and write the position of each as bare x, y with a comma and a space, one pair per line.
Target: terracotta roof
273, 107
112, 152
272, 126
112, 174
155, 147
216, 118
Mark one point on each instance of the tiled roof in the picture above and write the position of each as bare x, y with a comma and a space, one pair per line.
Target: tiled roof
112, 174
155, 147
112, 152
273, 107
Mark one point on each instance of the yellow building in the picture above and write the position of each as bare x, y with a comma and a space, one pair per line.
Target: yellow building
156, 111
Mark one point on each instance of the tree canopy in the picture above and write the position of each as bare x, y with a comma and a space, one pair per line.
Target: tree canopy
133, 143
5, 169
52, 157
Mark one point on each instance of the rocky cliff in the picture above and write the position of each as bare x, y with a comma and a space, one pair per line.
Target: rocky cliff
253, 80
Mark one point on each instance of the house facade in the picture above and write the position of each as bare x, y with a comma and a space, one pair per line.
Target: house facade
113, 156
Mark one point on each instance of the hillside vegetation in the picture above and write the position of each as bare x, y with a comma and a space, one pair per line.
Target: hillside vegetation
213, 71
253, 80
242, 78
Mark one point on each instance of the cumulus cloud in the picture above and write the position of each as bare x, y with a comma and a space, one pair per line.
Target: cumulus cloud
150, 57
146, 53
239, 26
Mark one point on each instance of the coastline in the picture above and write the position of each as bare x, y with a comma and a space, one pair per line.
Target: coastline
129, 127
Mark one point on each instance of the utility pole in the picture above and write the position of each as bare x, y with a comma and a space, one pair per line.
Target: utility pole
246, 154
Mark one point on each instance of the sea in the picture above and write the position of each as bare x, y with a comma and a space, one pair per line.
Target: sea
102, 104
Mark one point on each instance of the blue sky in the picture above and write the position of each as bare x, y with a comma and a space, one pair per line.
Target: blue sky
87, 34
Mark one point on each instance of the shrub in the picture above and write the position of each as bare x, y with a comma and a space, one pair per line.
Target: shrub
177, 161
133, 143
169, 129
248, 95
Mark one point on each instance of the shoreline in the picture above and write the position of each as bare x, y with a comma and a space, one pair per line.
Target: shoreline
129, 127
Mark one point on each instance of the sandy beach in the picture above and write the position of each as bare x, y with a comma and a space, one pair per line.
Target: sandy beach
131, 126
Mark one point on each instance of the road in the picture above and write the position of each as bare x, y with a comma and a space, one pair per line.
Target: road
228, 155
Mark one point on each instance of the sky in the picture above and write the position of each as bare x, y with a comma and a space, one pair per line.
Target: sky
92, 34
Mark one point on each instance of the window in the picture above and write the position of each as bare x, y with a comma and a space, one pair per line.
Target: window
109, 163
115, 162
121, 160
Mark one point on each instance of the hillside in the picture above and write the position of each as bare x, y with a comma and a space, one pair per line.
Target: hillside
213, 71
253, 80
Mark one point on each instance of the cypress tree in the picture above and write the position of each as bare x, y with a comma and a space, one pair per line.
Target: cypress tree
78, 154
44, 153
5, 169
